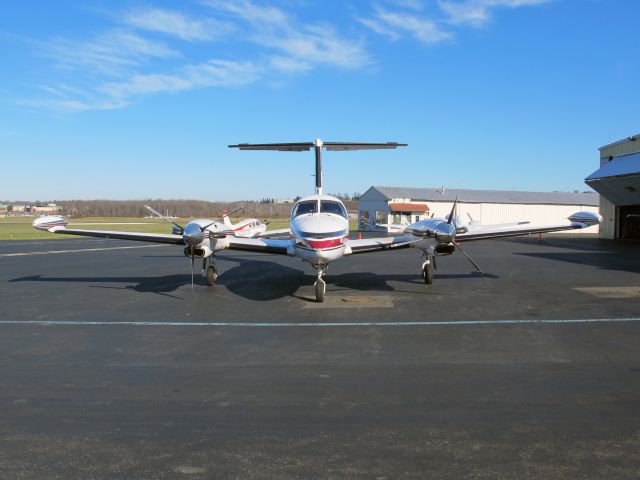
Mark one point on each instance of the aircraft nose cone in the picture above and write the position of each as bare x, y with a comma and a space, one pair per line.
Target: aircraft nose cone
193, 235
445, 233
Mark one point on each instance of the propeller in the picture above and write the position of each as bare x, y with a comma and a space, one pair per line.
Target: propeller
450, 221
469, 258
192, 267
220, 218
453, 211
192, 235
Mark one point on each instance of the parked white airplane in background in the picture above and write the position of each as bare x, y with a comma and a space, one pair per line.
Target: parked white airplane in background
248, 228
319, 228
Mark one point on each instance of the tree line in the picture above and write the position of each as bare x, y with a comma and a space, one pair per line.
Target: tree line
176, 208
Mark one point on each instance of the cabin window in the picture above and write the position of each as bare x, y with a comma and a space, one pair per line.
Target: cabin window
333, 207
303, 208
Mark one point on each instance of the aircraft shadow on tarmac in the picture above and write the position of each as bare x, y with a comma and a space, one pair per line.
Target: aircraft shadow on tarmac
263, 280
160, 285
260, 280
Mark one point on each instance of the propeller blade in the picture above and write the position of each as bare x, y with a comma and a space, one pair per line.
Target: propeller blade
159, 215
453, 211
469, 258
220, 218
192, 267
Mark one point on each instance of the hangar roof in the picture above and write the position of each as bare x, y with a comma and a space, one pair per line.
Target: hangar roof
619, 166
488, 196
618, 180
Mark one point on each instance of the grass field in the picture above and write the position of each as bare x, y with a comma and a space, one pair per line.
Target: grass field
19, 228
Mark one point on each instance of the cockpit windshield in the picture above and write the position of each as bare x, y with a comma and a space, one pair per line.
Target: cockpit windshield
306, 207
336, 208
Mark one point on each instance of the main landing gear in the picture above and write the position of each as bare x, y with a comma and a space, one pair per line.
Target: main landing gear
209, 270
320, 285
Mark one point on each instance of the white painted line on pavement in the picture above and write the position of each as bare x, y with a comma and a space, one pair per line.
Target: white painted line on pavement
49, 252
65, 323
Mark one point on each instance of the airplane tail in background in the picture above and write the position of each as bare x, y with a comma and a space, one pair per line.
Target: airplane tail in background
226, 220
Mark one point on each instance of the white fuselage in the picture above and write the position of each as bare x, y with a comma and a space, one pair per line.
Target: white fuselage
319, 229
248, 228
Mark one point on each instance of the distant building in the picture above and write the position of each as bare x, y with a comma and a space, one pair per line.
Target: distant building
618, 183
404, 205
48, 209
3, 207
18, 208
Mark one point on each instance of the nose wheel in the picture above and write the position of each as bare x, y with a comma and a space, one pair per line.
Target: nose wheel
210, 271
427, 272
320, 285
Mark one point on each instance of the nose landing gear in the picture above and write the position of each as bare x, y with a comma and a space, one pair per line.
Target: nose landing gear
209, 271
427, 270
320, 285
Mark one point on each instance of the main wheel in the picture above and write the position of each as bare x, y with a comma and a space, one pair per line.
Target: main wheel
427, 273
320, 289
212, 276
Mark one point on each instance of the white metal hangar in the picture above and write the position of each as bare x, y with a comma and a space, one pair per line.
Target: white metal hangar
618, 183
403, 205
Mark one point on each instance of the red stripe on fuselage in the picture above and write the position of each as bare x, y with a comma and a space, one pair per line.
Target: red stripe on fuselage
322, 244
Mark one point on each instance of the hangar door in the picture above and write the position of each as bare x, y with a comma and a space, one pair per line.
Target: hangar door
630, 222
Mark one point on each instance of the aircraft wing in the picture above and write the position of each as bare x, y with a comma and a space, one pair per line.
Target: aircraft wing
58, 225
281, 233
576, 222
368, 245
140, 237
275, 246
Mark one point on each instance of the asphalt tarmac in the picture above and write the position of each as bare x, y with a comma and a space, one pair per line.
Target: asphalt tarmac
529, 370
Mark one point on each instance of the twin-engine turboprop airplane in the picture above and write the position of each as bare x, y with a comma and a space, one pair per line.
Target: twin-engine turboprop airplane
320, 225
319, 228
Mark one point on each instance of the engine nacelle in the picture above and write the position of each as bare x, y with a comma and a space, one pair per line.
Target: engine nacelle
49, 221
201, 251
444, 249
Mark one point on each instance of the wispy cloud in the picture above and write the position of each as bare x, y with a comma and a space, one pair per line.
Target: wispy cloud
150, 50
129, 61
477, 13
177, 24
395, 24
408, 17
299, 45
110, 53
219, 73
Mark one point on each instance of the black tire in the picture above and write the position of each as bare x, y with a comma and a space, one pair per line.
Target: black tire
427, 274
320, 288
212, 276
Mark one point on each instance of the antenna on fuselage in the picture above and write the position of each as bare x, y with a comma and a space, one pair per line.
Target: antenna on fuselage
317, 145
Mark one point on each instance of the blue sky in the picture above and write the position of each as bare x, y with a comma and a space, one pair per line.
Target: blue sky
139, 99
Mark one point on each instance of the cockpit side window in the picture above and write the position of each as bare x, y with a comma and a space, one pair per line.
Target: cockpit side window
333, 207
303, 208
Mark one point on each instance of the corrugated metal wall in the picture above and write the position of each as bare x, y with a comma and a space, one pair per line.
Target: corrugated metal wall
495, 213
